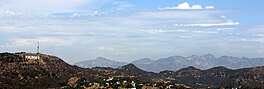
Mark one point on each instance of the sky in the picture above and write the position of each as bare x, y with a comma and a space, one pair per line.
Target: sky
127, 30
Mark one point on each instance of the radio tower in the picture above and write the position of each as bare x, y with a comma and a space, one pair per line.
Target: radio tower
38, 47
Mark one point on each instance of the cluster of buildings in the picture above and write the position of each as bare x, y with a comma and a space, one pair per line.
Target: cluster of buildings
127, 83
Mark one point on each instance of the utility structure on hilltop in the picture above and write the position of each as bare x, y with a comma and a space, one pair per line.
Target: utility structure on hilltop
38, 47
32, 56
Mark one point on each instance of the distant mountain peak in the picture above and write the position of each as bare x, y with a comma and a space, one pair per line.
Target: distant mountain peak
192, 56
175, 57
205, 55
143, 61
220, 67
130, 66
227, 57
132, 69
209, 55
101, 58
191, 68
100, 62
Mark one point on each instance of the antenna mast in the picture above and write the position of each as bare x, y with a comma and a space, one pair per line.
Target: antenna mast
38, 47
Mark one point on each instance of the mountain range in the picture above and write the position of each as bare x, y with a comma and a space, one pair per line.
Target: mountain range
49, 71
100, 62
177, 62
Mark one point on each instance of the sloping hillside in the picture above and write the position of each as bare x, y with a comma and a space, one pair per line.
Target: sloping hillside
53, 72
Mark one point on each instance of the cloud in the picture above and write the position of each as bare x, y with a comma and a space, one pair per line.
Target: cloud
7, 29
227, 22
260, 35
8, 13
208, 25
209, 7
196, 7
186, 37
154, 31
261, 40
122, 4
253, 34
157, 31
186, 5
223, 29
208, 32
110, 49
93, 34
23, 42
43, 6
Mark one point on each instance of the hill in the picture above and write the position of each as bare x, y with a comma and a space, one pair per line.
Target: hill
218, 77
52, 72
18, 72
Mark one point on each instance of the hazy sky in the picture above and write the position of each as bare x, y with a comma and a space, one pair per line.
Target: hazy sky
127, 30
